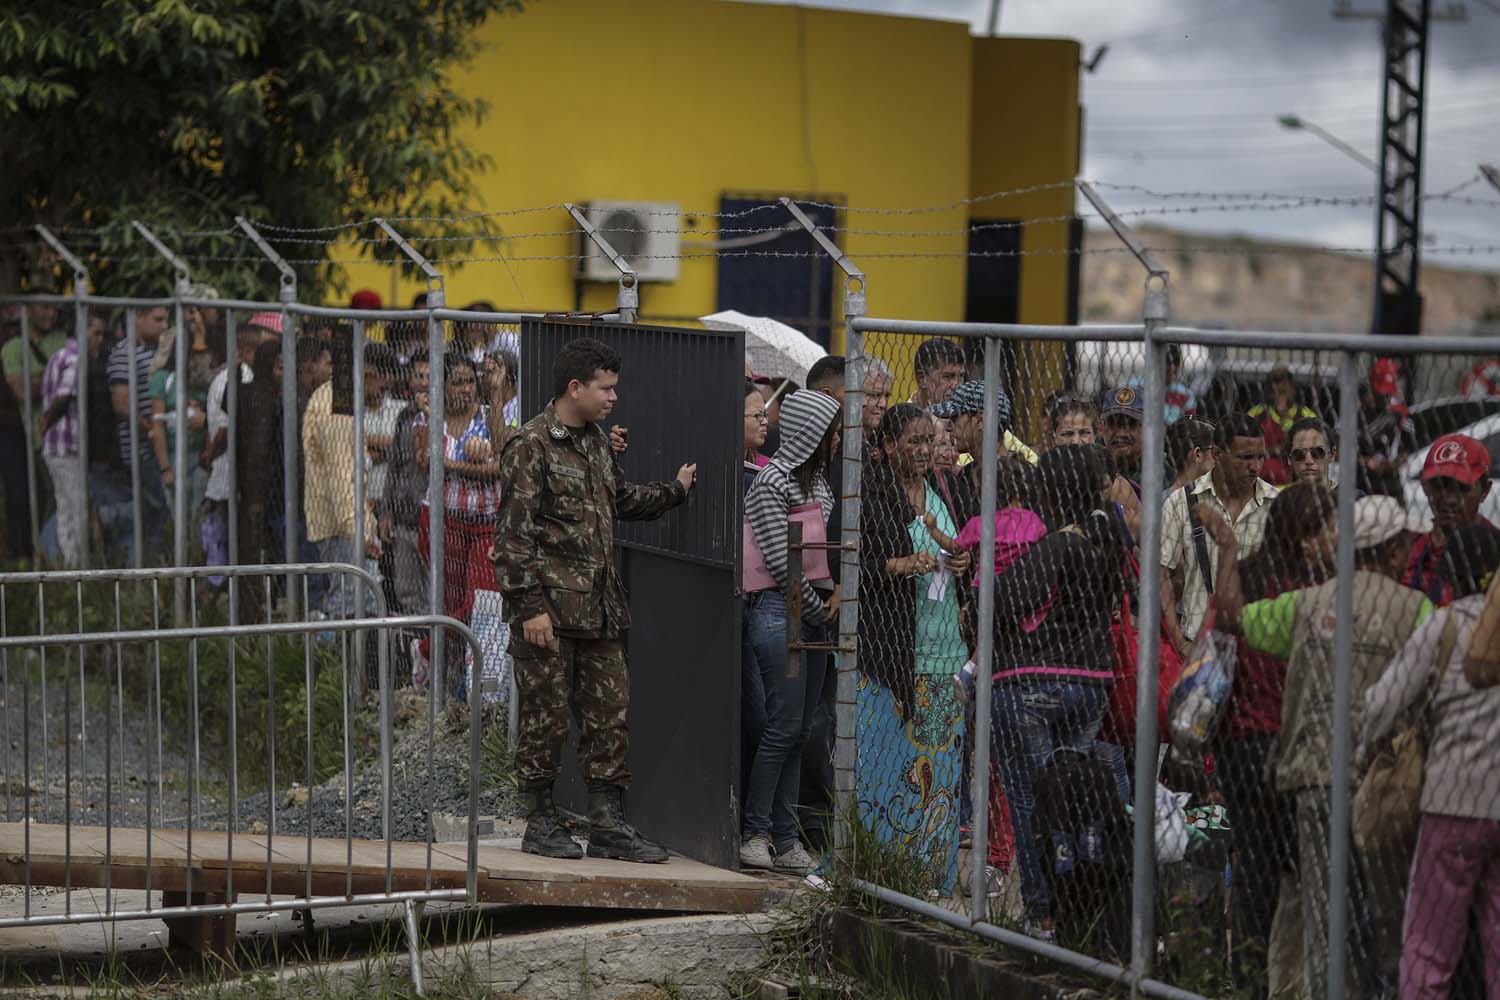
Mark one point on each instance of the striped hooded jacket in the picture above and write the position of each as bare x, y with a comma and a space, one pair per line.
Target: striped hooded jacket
805, 419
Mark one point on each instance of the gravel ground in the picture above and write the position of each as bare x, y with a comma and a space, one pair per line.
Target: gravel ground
72, 751
415, 791
68, 756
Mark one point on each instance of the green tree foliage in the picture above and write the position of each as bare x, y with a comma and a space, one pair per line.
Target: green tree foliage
186, 113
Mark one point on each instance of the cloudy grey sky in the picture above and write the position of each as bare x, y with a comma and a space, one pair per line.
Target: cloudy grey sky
1187, 97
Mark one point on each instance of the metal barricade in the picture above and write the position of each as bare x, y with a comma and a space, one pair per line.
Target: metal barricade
148, 794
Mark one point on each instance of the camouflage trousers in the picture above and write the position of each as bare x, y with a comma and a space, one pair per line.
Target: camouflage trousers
582, 679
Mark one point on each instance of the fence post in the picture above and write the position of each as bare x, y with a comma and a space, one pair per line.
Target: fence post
628, 300
1343, 682
979, 796
179, 417
290, 443
133, 438
845, 745
28, 426
81, 338
1155, 311
435, 481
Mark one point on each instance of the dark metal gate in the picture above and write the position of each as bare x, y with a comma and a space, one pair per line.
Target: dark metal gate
680, 395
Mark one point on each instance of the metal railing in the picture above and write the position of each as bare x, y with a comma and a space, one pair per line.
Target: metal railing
168, 707
143, 542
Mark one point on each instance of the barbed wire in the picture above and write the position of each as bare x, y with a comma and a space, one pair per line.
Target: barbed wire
1204, 202
872, 254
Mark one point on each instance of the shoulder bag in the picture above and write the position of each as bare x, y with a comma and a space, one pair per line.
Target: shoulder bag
1389, 800
754, 575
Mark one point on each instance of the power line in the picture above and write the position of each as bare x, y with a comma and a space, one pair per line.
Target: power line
1249, 82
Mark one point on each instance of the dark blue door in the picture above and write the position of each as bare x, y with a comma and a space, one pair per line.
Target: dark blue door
786, 277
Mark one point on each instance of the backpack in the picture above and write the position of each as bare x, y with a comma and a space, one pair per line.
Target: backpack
1084, 840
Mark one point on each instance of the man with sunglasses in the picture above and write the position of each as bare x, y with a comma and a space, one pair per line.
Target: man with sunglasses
1309, 452
1456, 479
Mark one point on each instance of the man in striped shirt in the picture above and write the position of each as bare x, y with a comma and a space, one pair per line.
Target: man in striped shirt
150, 453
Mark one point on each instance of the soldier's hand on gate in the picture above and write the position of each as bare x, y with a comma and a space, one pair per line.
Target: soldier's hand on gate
688, 475
538, 631
619, 439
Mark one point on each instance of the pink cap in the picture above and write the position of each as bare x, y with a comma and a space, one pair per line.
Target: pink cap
268, 320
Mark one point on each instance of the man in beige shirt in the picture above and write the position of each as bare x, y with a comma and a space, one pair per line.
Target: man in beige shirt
1234, 491
328, 451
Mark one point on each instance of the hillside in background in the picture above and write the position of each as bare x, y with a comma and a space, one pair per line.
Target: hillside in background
1234, 281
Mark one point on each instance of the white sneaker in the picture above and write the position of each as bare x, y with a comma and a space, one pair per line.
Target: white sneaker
795, 860
755, 852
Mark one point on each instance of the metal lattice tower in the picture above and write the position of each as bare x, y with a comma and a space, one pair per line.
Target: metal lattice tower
1405, 26
1398, 234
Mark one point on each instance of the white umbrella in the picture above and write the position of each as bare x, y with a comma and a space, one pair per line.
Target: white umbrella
774, 349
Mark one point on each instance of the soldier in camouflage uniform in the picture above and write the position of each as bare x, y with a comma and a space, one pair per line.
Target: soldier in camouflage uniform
568, 609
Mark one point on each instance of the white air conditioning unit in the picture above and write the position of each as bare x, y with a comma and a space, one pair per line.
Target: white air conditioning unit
643, 232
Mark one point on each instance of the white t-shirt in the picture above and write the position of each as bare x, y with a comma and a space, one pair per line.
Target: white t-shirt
219, 478
381, 422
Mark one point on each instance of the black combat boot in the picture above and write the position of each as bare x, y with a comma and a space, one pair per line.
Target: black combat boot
610, 836
545, 834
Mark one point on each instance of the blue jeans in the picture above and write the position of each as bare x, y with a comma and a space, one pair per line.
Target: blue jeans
340, 595
110, 497
307, 552
1031, 720
110, 491
776, 775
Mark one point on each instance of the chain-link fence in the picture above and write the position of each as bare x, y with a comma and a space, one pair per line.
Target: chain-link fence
1238, 560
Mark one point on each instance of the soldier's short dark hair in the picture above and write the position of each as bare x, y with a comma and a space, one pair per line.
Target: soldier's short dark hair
580, 359
935, 353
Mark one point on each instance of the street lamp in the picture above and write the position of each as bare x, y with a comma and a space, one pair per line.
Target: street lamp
1297, 123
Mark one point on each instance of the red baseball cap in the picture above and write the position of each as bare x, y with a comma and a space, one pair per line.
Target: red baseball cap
1456, 456
365, 298
1384, 375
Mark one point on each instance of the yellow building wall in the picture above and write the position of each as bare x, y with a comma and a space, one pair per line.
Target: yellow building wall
685, 100
1025, 132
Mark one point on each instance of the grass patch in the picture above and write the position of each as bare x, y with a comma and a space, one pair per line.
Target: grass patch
497, 760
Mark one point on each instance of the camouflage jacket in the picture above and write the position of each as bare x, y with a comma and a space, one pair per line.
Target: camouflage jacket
554, 534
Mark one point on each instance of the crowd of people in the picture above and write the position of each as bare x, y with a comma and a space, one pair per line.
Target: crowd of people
1249, 538
1248, 542
133, 425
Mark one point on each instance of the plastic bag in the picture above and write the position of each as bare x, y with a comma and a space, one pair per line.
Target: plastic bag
1172, 836
1202, 690
487, 621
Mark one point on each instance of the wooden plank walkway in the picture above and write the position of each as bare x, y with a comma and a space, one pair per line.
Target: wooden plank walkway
505, 875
